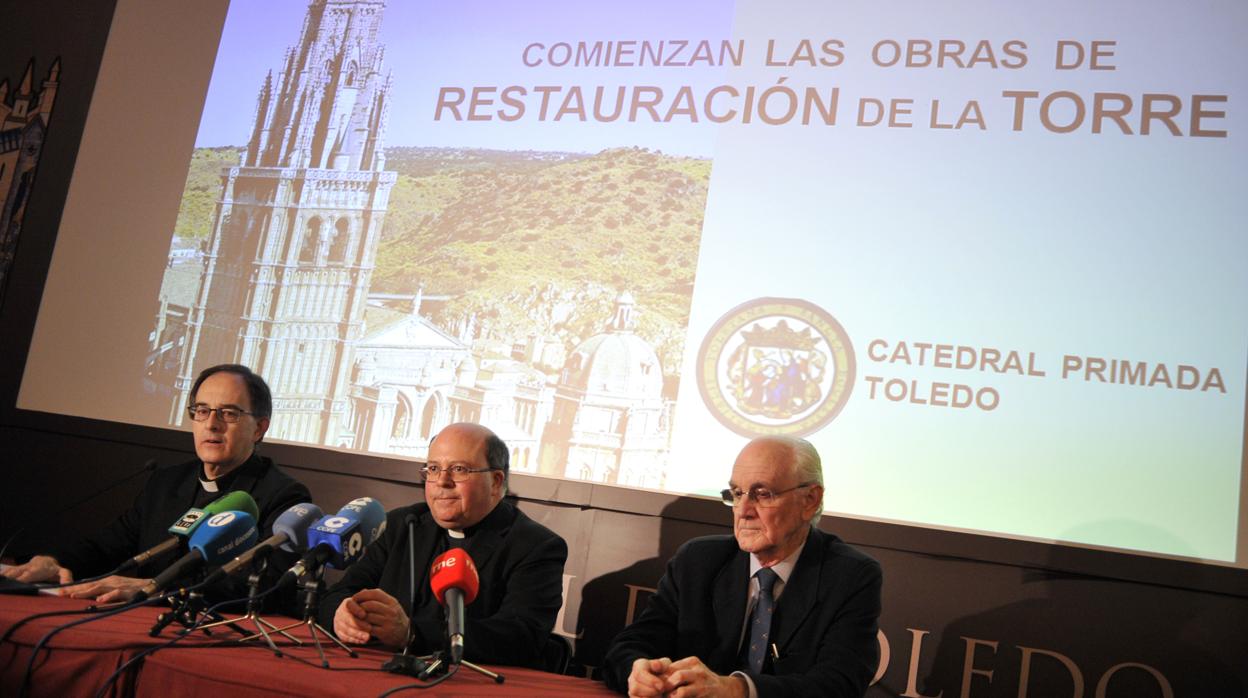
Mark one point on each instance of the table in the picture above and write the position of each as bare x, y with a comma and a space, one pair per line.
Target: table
81, 658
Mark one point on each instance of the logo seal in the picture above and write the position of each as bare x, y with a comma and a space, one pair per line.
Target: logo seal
776, 367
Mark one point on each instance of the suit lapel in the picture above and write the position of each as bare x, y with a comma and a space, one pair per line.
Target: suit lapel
801, 593
483, 546
488, 537
728, 598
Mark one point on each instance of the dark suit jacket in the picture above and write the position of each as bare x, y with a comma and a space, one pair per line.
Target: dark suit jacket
520, 564
167, 495
824, 625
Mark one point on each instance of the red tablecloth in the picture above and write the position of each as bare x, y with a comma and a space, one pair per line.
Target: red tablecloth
81, 658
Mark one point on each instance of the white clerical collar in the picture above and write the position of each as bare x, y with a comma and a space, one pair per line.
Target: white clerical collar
455, 533
209, 485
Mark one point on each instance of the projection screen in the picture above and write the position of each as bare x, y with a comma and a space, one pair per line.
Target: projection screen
988, 257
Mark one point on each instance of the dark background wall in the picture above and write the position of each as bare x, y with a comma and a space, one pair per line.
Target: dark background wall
964, 614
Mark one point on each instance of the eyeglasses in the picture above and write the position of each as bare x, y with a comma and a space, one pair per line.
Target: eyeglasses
762, 496
229, 415
458, 472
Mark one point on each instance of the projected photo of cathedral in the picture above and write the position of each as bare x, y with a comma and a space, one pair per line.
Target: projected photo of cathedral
387, 290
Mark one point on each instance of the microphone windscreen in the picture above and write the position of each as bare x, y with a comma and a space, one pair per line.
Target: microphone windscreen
224, 535
371, 515
294, 524
342, 533
454, 569
237, 500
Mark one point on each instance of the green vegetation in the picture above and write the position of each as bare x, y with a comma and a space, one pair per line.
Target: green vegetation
203, 188
543, 243
528, 242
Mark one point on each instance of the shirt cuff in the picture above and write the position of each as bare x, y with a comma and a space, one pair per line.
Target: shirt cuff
748, 682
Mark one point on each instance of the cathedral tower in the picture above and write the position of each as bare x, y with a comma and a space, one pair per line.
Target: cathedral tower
292, 250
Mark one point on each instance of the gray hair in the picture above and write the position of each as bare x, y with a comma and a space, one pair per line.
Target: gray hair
809, 468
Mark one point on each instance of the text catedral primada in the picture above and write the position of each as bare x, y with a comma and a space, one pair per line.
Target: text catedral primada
994, 361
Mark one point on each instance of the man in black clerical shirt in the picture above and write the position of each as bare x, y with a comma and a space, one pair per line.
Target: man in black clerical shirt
230, 410
519, 562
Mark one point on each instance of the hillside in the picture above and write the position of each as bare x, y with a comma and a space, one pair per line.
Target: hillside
526, 242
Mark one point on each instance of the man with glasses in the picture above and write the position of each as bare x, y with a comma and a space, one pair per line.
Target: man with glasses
229, 413
779, 608
519, 562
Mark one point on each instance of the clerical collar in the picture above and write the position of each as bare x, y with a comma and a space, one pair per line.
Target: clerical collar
221, 482
456, 533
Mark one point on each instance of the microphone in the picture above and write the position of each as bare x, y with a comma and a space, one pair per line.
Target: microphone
290, 531
455, 583
189, 522
221, 536
339, 540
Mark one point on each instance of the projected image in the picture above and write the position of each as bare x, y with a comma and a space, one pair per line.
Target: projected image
24, 115
989, 263
386, 287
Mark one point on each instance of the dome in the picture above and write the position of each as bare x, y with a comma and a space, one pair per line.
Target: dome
616, 362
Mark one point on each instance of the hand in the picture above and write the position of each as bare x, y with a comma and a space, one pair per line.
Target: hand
689, 677
107, 590
349, 624
647, 677
384, 616
40, 568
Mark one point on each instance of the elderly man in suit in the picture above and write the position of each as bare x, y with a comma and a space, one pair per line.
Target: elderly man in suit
779, 608
519, 561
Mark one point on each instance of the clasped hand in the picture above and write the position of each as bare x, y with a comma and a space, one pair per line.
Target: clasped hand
684, 678
371, 613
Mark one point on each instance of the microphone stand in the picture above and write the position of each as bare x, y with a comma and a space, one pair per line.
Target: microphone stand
426, 666
497, 678
430, 664
311, 586
259, 565
185, 609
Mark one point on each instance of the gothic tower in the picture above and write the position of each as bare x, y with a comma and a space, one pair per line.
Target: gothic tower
292, 250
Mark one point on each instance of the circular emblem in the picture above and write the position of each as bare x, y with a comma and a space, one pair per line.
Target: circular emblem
776, 367
221, 519
335, 522
355, 543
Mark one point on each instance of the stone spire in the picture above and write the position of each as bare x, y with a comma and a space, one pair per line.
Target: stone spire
327, 108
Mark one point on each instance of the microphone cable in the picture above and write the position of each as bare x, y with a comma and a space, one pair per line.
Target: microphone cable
421, 686
34, 654
96, 614
186, 633
93, 608
78, 611
112, 678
